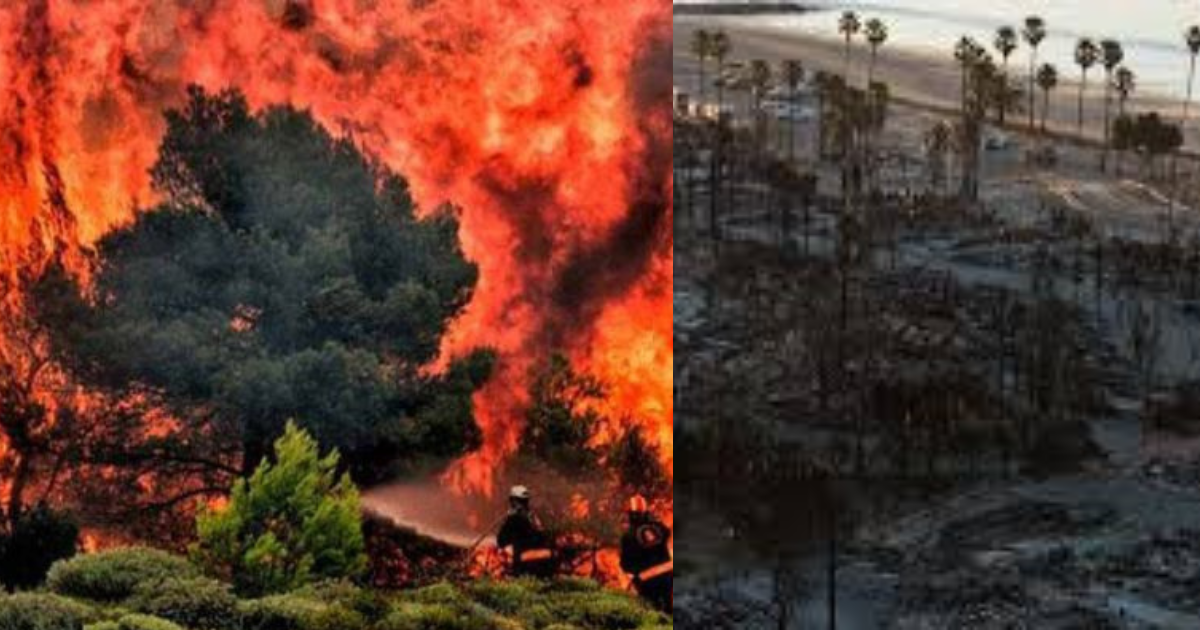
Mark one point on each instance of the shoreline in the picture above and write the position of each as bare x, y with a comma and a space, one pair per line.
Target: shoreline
740, 9
922, 79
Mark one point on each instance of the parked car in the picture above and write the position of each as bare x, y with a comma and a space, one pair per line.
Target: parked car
996, 140
794, 112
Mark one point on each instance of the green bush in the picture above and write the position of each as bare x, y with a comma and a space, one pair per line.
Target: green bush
294, 522
569, 585
197, 603
371, 604
294, 612
417, 616
146, 622
565, 604
103, 625
112, 576
440, 593
39, 611
603, 610
507, 597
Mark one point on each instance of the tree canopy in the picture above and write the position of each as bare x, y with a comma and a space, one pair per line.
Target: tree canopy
285, 275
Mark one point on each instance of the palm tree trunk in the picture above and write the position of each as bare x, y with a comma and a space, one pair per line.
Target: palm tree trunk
720, 88
1045, 108
1003, 92
792, 129
1120, 154
703, 85
724, 162
847, 59
779, 136
714, 187
831, 571
1082, 88
1032, 88
1107, 125
1188, 101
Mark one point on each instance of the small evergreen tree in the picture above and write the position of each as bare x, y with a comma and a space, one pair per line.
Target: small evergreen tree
295, 521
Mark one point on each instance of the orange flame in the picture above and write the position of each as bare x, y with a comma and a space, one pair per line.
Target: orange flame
545, 122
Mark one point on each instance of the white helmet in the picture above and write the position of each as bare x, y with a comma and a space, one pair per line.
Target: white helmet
519, 493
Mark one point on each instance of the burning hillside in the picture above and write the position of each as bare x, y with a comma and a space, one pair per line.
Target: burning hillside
545, 125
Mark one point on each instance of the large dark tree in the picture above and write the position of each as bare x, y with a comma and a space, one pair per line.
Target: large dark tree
284, 276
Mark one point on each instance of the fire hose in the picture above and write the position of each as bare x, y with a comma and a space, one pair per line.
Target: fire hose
479, 541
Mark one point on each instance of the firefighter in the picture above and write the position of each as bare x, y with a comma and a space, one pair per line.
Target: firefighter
646, 555
532, 549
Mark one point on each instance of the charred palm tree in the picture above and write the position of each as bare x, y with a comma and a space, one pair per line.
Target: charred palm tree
720, 47
1005, 43
877, 33
1047, 80
1033, 33
701, 48
981, 73
1086, 56
792, 73
848, 26
967, 53
758, 80
1111, 55
828, 89
977, 73
937, 143
1124, 83
1192, 39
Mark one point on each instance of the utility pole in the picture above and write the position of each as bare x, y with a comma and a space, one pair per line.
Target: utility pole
831, 575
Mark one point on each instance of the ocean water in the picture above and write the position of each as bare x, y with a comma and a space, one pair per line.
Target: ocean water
1151, 31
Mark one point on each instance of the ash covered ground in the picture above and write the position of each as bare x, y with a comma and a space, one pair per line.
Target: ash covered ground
985, 412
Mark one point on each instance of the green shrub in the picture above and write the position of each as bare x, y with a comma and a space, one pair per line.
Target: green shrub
603, 610
197, 603
112, 576
507, 597
369, 603
146, 622
294, 522
440, 593
569, 585
418, 616
103, 625
39, 611
294, 612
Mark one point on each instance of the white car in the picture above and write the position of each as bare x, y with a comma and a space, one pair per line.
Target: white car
996, 140
790, 111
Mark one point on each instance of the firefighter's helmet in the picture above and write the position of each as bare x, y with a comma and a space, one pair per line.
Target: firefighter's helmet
519, 493
638, 505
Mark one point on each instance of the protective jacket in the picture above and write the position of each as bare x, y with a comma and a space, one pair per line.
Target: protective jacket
532, 550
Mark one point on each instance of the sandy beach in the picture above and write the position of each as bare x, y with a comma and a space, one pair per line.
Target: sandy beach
918, 78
